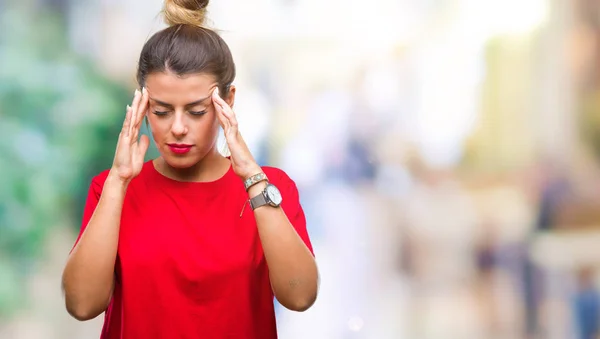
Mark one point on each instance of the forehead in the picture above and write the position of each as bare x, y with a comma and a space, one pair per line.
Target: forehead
174, 89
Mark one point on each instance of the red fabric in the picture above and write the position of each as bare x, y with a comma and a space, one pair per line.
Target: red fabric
188, 266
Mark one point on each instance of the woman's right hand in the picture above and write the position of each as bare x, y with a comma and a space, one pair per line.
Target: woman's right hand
129, 156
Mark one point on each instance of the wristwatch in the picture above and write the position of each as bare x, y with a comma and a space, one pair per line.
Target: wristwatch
269, 196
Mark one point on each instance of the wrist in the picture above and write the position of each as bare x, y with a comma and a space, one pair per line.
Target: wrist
115, 182
256, 189
250, 172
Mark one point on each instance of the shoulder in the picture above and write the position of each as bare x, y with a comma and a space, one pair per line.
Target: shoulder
276, 174
99, 179
280, 178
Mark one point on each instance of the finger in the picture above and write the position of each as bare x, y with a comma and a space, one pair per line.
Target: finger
135, 132
218, 97
224, 123
141, 112
134, 107
230, 119
222, 118
126, 122
226, 109
215, 94
219, 101
143, 146
230, 116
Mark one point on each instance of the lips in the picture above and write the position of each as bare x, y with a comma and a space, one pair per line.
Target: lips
179, 148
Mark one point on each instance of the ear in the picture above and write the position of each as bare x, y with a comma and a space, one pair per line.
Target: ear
231, 96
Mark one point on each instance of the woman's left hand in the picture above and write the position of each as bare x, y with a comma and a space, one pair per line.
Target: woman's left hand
242, 161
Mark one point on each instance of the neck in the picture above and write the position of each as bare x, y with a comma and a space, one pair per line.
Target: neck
210, 168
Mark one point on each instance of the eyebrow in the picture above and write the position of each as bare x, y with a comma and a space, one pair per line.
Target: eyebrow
197, 102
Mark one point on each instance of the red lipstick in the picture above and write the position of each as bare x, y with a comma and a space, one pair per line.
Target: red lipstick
179, 148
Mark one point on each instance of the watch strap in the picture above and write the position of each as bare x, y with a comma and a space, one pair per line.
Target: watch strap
258, 201
253, 180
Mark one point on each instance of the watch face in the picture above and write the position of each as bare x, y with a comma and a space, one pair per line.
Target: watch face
274, 195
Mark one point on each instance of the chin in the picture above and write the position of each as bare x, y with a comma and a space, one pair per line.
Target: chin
181, 161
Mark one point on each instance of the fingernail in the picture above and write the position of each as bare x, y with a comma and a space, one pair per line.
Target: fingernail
217, 90
144, 90
137, 91
128, 107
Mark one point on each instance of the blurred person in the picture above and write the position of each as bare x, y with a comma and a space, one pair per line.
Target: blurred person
318, 158
554, 190
487, 267
586, 305
441, 220
191, 244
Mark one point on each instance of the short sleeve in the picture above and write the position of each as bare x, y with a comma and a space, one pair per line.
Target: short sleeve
91, 202
292, 207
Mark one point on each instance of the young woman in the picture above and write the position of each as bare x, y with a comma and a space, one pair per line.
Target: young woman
191, 244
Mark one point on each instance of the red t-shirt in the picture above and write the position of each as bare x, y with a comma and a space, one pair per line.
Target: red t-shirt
188, 266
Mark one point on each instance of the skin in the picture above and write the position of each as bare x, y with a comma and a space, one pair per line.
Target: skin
182, 110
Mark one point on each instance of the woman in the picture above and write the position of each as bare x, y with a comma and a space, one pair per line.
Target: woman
191, 244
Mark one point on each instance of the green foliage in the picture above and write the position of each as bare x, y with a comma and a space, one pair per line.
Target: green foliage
59, 119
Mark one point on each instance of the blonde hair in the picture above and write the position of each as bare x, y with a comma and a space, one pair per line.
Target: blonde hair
185, 12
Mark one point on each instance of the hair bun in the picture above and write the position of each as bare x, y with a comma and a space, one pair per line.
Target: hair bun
185, 12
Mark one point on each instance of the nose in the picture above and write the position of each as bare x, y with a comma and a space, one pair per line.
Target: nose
179, 127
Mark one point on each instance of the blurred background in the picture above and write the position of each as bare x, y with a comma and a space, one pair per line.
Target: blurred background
446, 151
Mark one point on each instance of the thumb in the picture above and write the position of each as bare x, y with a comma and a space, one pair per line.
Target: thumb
143, 145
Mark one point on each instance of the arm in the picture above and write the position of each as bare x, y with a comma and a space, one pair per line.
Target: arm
292, 268
88, 277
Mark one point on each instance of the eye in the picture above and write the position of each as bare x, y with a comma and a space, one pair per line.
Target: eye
197, 112
160, 112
